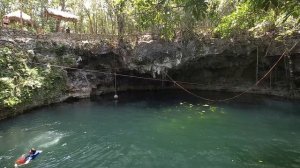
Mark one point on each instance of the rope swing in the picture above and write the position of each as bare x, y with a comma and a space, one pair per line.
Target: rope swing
116, 95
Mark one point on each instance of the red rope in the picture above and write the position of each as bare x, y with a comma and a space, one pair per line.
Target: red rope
240, 94
177, 82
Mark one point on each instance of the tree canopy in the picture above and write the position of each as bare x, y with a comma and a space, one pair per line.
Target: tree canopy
224, 18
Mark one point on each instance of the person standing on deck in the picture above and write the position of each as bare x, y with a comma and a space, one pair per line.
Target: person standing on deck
68, 30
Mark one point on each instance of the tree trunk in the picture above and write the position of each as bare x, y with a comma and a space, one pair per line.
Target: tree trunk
96, 23
21, 1
42, 16
90, 21
81, 24
120, 21
62, 3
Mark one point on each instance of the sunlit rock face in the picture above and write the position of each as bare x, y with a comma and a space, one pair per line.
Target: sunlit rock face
155, 56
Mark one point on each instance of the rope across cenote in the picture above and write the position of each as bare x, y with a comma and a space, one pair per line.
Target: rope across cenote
179, 83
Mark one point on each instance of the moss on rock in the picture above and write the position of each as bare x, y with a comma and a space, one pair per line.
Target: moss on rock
24, 84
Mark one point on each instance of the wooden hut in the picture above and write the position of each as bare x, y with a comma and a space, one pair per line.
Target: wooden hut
61, 15
19, 16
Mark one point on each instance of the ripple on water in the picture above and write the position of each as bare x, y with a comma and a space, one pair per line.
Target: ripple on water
47, 139
38, 127
150, 135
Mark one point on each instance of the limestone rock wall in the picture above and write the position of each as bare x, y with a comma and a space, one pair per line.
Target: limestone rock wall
218, 64
215, 64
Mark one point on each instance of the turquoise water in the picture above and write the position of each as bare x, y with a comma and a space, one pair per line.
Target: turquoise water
157, 130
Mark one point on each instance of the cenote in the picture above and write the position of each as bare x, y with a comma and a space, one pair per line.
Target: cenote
157, 130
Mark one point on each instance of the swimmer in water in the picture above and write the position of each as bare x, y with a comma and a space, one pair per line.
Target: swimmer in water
31, 153
25, 159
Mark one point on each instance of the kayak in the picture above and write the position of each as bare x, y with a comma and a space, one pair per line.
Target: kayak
25, 160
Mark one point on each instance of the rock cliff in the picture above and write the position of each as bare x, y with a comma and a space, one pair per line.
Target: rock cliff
214, 64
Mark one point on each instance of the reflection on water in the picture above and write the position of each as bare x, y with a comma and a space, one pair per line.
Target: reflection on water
165, 129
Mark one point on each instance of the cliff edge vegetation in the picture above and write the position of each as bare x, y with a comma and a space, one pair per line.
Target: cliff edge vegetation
24, 85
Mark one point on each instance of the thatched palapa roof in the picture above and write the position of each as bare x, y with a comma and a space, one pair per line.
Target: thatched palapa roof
17, 15
62, 15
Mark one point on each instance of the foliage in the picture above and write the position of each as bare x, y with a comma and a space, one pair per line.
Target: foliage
167, 16
258, 17
60, 50
161, 17
237, 22
19, 83
287, 7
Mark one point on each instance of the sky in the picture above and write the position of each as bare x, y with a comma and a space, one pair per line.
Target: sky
87, 4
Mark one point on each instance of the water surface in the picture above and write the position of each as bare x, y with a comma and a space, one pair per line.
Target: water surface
157, 130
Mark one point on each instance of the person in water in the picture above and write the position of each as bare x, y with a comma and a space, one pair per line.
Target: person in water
31, 153
24, 159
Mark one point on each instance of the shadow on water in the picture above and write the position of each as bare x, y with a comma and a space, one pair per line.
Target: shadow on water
167, 97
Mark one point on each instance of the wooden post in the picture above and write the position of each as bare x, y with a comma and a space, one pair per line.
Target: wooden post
75, 26
256, 63
270, 79
21, 14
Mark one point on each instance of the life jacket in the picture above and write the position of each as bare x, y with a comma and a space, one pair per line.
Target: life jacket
21, 160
